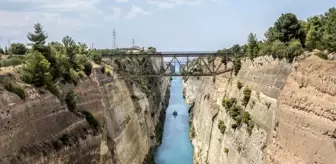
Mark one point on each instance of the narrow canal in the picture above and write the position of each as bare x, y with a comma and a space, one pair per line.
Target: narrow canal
176, 147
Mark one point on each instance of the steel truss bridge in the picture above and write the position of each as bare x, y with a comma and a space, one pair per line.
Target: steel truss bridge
188, 63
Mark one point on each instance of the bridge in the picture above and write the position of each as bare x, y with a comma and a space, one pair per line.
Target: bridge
188, 63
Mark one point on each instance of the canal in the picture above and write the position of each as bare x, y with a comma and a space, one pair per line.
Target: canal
176, 147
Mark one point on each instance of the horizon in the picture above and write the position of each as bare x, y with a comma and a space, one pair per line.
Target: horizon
170, 25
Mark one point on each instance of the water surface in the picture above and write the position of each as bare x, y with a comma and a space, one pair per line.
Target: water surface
176, 147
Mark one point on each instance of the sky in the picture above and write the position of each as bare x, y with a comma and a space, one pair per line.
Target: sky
168, 25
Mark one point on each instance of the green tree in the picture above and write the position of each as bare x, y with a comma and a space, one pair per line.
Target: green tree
252, 45
36, 70
329, 35
70, 48
236, 49
286, 28
38, 38
2, 51
18, 48
314, 34
82, 48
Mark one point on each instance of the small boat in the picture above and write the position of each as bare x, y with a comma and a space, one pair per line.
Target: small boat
175, 113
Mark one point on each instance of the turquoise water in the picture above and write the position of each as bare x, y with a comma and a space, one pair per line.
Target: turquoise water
176, 147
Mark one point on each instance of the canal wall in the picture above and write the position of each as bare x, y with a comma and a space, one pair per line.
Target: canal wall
116, 121
291, 113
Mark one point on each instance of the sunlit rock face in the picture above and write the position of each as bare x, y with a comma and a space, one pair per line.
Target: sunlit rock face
292, 107
41, 129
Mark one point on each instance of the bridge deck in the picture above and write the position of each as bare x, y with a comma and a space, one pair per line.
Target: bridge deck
167, 55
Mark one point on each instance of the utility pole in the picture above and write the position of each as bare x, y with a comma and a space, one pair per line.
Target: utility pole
114, 39
133, 42
91, 46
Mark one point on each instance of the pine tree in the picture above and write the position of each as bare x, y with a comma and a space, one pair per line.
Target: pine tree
38, 38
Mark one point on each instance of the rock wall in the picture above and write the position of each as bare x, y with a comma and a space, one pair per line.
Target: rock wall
41, 129
271, 141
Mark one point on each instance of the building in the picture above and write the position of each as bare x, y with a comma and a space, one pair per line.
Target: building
133, 49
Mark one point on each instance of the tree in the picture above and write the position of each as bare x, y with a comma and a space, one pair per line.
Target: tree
36, 70
70, 48
252, 45
38, 38
236, 49
286, 28
2, 51
82, 48
329, 34
151, 49
18, 48
314, 33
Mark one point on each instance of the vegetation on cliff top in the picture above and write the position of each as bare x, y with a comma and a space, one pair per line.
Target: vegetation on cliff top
289, 37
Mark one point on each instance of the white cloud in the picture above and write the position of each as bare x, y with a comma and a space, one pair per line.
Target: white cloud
174, 3
116, 13
121, 1
136, 11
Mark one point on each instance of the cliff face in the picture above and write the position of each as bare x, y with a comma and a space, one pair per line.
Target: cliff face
41, 129
306, 114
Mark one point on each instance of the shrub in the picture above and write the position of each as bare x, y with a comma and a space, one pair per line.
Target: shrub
294, 49
18, 48
221, 126
321, 55
55, 89
74, 76
81, 74
70, 100
279, 49
96, 57
246, 117
236, 65
250, 127
234, 126
226, 150
235, 112
88, 68
247, 94
15, 88
227, 103
239, 85
192, 132
36, 70
91, 119
13, 61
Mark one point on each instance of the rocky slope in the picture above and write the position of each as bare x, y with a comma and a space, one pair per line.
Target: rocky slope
41, 129
292, 108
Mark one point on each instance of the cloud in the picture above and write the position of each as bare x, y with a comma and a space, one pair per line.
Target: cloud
116, 13
135, 11
121, 1
174, 3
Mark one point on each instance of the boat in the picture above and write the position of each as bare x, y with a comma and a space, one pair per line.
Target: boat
175, 113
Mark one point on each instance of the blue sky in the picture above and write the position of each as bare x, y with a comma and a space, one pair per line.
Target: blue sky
168, 25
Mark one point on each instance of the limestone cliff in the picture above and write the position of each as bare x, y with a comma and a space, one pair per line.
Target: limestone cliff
292, 108
115, 122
